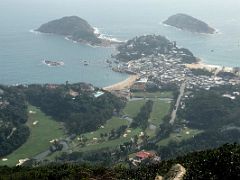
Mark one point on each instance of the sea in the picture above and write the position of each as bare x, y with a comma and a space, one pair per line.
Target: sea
22, 50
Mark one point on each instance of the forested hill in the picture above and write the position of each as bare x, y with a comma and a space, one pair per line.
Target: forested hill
189, 23
152, 45
73, 27
221, 163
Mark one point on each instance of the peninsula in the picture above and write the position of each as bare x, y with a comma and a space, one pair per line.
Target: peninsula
189, 23
76, 29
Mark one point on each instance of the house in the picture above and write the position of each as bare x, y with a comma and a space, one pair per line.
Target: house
98, 94
52, 86
73, 93
141, 155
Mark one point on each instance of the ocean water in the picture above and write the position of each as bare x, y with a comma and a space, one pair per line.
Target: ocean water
22, 50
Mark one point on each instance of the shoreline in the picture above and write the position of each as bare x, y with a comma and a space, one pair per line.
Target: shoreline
106, 41
127, 83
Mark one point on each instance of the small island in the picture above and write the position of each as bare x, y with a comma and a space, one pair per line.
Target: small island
76, 29
189, 23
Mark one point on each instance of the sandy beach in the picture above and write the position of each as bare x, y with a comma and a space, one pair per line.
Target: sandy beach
123, 84
209, 67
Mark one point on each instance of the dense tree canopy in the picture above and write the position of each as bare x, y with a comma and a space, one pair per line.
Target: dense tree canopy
13, 115
207, 110
81, 113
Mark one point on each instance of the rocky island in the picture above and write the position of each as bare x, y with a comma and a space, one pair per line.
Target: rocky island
189, 23
76, 29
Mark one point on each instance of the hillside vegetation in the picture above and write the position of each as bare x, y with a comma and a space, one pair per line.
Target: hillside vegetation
73, 27
221, 163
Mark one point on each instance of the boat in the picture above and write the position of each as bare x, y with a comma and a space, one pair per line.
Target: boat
85, 63
53, 63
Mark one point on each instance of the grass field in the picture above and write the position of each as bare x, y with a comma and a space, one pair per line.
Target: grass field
178, 137
40, 135
112, 143
113, 123
159, 110
133, 108
158, 94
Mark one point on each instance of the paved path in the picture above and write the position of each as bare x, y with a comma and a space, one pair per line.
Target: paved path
41, 156
174, 112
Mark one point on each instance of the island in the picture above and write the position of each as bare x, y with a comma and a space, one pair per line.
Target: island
76, 29
189, 23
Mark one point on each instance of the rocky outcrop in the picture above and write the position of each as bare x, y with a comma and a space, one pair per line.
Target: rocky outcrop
177, 172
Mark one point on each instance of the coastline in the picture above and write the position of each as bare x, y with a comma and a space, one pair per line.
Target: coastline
216, 31
127, 83
106, 41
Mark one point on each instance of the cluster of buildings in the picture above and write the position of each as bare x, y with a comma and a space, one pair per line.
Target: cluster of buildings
206, 82
168, 69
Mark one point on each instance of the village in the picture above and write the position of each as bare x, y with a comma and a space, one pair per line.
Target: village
163, 69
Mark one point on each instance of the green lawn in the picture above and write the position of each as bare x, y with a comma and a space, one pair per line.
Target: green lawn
159, 110
178, 137
151, 133
133, 108
158, 94
111, 143
113, 123
38, 141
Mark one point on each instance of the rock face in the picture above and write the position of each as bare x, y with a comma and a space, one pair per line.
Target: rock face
74, 28
189, 23
177, 172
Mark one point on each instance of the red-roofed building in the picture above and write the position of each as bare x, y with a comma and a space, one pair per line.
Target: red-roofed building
144, 155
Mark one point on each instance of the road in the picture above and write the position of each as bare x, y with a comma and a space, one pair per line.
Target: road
142, 98
174, 112
41, 156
